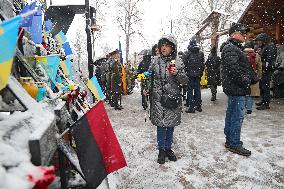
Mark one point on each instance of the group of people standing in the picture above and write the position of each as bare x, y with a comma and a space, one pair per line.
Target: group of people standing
244, 71
109, 74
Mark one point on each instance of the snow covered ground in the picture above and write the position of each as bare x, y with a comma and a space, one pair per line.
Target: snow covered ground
203, 161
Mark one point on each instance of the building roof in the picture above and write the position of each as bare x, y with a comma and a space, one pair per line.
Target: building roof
265, 16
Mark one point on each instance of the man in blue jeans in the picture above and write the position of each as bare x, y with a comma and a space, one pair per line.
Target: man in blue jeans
237, 76
194, 66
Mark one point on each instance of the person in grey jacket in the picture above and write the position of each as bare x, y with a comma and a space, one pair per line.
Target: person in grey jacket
280, 58
278, 74
167, 77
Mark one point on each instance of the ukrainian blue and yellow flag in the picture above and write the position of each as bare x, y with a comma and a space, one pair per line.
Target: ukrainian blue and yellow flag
67, 48
60, 38
95, 88
66, 67
53, 62
123, 73
8, 41
50, 64
35, 29
42, 60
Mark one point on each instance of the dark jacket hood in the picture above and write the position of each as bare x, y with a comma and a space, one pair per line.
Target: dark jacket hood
193, 49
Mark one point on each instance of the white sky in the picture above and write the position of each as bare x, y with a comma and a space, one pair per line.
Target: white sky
156, 22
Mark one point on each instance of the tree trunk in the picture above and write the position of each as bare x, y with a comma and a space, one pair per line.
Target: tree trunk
127, 47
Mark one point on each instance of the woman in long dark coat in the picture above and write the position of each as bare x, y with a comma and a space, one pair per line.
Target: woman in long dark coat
213, 71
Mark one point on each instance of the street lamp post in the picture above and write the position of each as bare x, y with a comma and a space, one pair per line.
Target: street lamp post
89, 40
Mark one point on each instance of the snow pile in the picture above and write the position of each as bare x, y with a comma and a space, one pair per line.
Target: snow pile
203, 161
15, 130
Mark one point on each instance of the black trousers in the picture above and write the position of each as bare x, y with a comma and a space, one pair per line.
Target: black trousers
264, 86
213, 89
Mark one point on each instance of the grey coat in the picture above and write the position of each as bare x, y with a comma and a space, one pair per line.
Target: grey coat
159, 115
280, 58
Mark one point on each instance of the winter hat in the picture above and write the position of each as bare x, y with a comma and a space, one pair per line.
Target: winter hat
263, 37
180, 53
165, 41
238, 27
249, 45
193, 42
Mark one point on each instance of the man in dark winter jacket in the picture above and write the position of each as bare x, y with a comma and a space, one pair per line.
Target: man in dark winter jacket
115, 80
268, 56
213, 70
143, 67
237, 77
194, 66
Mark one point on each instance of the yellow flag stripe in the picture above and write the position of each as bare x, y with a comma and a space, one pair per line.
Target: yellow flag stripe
93, 89
64, 68
59, 39
123, 79
5, 71
41, 59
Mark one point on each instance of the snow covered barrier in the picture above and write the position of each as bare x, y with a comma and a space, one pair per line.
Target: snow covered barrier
42, 144
37, 122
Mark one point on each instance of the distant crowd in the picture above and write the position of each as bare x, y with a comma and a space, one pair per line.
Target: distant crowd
167, 77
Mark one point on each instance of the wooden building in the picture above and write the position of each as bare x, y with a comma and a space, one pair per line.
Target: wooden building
265, 16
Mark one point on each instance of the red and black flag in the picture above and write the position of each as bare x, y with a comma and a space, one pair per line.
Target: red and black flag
98, 150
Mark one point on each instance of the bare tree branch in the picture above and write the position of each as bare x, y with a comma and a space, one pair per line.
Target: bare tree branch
129, 17
201, 6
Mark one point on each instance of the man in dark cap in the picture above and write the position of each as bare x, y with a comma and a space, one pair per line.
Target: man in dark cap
268, 56
115, 79
237, 77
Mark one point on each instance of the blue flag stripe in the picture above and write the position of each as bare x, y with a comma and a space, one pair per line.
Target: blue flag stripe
48, 25
36, 28
97, 85
53, 65
8, 38
27, 21
67, 49
120, 53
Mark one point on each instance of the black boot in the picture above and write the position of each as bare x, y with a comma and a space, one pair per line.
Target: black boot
240, 150
190, 110
171, 155
118, 107
111, 103
162, 156
259, 103
213, 98
144, 105
263, 107
198, 108
227, 145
